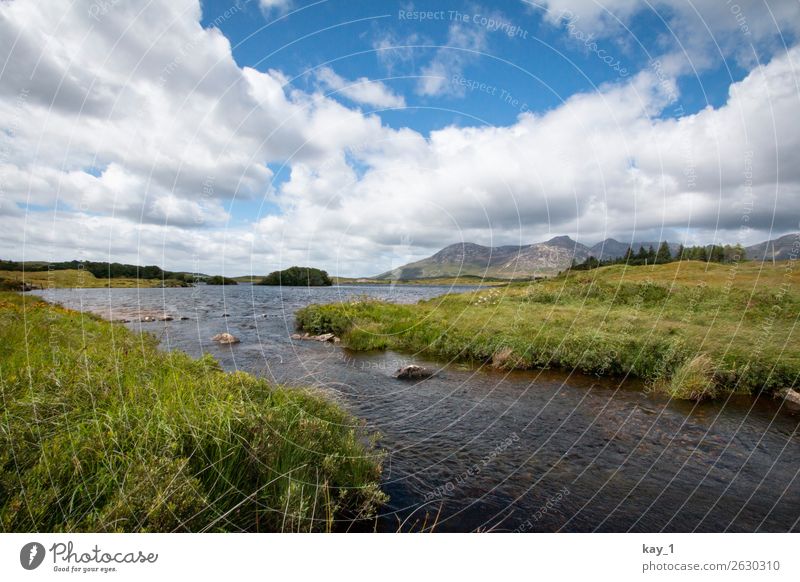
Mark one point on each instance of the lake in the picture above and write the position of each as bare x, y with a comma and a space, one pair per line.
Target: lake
480, 449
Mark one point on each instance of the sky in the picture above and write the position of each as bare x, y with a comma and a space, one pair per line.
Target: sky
243, 136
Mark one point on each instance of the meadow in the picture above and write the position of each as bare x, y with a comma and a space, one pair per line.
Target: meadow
691, 329
77, 278
103, 432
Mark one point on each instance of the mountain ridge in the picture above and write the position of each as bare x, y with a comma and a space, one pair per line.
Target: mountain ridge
547, 258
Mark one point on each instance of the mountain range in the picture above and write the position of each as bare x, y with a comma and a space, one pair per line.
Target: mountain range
547, 258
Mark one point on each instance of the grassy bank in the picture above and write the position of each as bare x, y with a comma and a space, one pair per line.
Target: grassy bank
101, 431
691, 329
436, 281
76, 278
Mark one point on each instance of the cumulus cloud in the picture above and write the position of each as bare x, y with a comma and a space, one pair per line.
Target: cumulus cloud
704, 31
362, 90
126, 148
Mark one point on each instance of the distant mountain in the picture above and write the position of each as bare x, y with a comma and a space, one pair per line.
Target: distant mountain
545, 258
505, 262
779, 249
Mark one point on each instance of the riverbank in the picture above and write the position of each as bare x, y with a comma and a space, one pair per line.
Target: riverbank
80, 279
690, 329
102, 431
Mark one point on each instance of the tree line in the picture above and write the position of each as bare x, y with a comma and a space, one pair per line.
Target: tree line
101, 270
651, 256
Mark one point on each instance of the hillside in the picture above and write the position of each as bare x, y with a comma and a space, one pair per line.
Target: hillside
781, 249
545, 259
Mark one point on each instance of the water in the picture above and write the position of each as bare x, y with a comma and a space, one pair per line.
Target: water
478, 449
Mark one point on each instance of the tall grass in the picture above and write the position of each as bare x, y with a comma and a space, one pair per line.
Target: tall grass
101, 431
646, 322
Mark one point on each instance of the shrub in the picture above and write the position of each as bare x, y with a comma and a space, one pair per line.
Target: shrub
694, 380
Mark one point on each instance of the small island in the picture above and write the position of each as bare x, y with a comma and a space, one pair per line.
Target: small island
298, 277
220, 280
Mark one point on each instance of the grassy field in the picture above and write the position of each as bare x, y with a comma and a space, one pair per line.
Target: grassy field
101, 431
438, 281
77, 278
691, 329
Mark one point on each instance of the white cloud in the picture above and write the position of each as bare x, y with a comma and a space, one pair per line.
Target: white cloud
704, 31
269, 7
138, 150
464, 45
362, 90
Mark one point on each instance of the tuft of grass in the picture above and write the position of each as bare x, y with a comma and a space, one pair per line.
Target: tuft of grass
647, 322
693, 380
102, 431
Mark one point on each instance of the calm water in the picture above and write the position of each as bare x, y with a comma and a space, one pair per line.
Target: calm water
480, 449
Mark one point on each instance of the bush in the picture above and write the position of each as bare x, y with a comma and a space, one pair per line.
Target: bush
298, 277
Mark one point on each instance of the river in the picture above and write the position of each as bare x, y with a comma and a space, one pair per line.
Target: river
475, 449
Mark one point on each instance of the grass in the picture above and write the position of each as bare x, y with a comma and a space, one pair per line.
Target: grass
437, 281
101, 431
646, 322
76, 278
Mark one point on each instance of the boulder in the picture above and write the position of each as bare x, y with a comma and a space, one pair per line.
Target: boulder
413, 372
792, 396
225, 338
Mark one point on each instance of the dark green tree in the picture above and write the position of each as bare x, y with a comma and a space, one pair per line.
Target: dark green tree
663, 255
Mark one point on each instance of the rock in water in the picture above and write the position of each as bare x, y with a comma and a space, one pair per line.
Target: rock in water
225, 338
412, 372
792, 396
325, 337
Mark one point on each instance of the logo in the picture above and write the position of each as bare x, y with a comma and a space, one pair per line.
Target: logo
31, 555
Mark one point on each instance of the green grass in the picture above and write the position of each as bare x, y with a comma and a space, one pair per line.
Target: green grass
646, 322
76, 278
102, 431
437, 281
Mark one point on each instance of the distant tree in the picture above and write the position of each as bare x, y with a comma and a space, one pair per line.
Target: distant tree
663, 255
220, 280
702, 255
681, 254
628, 255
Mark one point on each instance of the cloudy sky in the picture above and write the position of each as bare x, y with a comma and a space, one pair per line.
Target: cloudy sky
242, 136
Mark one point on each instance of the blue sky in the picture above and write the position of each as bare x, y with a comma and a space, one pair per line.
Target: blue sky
539, 65
239, 135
